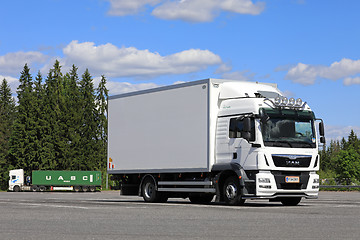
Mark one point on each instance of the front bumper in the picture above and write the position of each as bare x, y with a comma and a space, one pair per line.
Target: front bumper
275, 184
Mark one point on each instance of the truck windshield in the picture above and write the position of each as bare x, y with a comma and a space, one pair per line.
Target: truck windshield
289, 128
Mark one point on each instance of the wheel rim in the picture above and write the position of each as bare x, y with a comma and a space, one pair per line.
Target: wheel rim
148, 190
231, 192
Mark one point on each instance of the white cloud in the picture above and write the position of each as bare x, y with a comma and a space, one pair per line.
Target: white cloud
288, 93
307, 74
237, 75
112, 61
126, 7
186, 10
125, 87
223, 68
205, 10
13, 63
338, 132
350, 81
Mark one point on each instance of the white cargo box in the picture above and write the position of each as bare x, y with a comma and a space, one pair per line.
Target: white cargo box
165, 129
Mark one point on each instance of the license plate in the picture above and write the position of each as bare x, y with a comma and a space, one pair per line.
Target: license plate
292, 179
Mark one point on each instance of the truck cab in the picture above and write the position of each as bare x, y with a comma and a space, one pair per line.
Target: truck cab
274, 140
16, 180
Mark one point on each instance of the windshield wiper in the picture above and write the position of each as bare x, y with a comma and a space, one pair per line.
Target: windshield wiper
286, 142
306, 143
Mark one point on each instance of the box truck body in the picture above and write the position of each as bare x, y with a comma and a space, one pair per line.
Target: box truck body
54, 180
213, 137
162, 131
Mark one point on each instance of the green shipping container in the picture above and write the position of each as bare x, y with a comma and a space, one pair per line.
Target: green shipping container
66, 178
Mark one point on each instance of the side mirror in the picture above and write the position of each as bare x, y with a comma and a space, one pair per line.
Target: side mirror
322, 139
246, 135
246, 129
321, 129
264, 118
247, 125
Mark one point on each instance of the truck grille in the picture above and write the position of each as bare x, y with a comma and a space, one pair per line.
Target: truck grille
283, 160
281, 184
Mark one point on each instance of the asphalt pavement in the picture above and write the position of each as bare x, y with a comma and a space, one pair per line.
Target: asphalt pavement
107, 215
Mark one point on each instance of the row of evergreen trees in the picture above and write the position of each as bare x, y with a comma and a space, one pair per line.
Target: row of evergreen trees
58, 123
341, 160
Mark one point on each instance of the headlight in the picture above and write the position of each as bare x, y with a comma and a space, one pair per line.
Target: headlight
264, 180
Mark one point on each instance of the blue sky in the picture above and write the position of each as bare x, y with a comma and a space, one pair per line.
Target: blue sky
309, 48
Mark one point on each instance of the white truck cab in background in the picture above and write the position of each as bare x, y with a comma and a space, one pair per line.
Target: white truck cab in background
229, 139
17, 181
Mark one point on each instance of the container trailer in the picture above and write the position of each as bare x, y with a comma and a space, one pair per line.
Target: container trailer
55, 180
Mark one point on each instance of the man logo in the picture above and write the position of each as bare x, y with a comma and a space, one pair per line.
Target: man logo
293, 163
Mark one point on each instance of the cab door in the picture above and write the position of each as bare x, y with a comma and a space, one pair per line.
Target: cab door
238, 145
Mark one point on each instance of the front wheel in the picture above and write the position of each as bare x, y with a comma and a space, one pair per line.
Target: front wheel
16, 188
291, 201
232, 191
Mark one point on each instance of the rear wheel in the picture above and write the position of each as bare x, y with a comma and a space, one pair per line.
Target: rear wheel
232, 191
42, 188
92, 188
85, 188
291, 201
34, 188
77, 188
149, 193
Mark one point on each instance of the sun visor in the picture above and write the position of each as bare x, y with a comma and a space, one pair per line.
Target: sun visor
247, 89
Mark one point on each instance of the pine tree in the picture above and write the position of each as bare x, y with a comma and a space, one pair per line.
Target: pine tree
101, 102
353, 140
7, 115
88, 127
22, 139
55, 141
40, 123
73, 118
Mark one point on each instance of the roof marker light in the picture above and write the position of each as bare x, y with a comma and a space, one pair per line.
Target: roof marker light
291, 101
277, 101
298, 102
284, 101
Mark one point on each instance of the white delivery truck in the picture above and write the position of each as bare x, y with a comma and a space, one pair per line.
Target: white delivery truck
229, 139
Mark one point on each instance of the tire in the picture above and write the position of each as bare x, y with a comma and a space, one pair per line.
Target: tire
42, 188
85, 188
291, 201
34, 189
201, 198
77, 188
232, 191
16, 188
92, 189
148, 191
